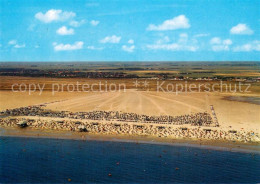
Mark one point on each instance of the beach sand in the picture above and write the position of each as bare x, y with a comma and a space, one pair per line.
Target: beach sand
230, 114
235, 115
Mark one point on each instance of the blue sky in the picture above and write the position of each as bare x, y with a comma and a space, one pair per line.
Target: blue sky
129, 30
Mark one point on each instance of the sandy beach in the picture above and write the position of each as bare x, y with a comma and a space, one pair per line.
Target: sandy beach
240, 117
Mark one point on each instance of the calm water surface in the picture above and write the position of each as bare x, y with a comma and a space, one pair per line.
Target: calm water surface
31, 160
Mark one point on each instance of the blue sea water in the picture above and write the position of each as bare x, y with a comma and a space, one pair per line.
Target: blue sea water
39, 160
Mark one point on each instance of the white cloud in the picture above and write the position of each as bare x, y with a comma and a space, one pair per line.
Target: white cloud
220, 45
183, 44
75, 23
111, 39
165, 39
54, 15
227, 42
131, 41
91, 47
215, 40
179, 22
241, 29
15, 44
94, 22
218, 48
128, 48
63, 47
65, 31
183, 38
12, 42
173, 47
19, 46
252, 46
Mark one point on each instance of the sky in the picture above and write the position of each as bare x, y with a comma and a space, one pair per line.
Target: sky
129, 30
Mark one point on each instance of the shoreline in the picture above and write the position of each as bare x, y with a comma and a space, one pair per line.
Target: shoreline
231, 146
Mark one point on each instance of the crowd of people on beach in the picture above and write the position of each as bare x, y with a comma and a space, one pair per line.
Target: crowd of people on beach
143, 129
115, 122
197, 119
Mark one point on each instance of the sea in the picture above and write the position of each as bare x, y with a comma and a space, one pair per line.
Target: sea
49, 160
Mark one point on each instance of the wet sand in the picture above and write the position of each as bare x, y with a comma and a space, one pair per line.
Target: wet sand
246, 99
